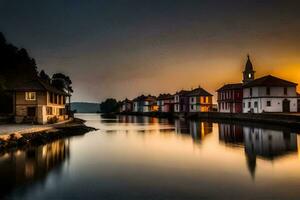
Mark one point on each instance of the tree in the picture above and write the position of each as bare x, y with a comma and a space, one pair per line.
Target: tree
110, 105
44, 76
62, 82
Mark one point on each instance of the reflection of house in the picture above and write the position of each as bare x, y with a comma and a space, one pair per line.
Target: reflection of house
182, 126
126, 106
199, 130
268, 144
196, 129
230, 96
24, 166
38, 101
269, 94
181, 101
165, 103
231, 134
199, 100
144, 104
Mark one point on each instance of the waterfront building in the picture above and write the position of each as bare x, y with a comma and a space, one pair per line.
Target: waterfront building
199, 100
37, 101
230, 96
126, 106
298, 102
181, 101
144, 104
165, 103
269, 94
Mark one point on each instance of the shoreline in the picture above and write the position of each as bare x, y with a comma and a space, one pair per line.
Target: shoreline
16, 140
282, 119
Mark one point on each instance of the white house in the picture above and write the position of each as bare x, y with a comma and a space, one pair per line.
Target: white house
269, 94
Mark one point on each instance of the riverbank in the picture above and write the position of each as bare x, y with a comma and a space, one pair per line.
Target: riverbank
35, 137
284, 119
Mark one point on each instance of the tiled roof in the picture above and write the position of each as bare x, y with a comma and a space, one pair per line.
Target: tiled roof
36, 85
145, 98
165, 96
199, 92
182, 92
233, 86
126, 101
270, 81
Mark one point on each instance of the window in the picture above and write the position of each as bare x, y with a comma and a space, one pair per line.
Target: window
255, 104
268, 91
49, 111
268, 103
249, 104
61, 111
51, 97
250, 91
285, 91
30, 96
243, 105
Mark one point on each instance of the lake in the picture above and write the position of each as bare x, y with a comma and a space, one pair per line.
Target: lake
132, 157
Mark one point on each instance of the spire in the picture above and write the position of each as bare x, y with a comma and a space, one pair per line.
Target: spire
248, 66
248, 73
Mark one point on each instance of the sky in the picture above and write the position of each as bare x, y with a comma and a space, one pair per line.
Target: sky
125, 48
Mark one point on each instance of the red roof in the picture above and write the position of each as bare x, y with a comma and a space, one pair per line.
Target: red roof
165, 96
234, 86
270, 81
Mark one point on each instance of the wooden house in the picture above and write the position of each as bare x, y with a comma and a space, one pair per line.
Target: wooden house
200, 100
36, 101
165, 103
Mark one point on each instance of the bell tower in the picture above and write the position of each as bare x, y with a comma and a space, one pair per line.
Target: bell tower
248, 73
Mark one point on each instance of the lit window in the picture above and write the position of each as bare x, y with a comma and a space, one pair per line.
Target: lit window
249, 75
30, 96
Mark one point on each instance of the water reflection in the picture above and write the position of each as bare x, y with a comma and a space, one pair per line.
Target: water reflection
258, 142
198, 130
26, 166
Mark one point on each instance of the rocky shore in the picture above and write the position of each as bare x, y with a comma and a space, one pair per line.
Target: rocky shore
16, 140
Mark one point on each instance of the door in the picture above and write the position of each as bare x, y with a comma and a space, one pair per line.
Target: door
286, 105
31, 111
298, 105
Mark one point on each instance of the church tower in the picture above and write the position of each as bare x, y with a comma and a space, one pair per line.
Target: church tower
248, 73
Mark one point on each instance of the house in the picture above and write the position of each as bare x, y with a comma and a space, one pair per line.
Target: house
200, 100
145, 104
298, 102
269, 94
165, 103
36, 101
230, 96
181, 101
126, 106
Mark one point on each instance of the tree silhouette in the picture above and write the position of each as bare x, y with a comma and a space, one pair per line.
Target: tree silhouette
62, 82
110, 105
15, 63
44, 76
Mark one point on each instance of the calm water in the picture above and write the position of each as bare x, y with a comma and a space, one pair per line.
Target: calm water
149, 158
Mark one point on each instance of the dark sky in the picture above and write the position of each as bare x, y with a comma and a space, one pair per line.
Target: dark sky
119, 48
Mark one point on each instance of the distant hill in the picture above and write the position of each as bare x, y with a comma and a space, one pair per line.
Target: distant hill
84, 107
